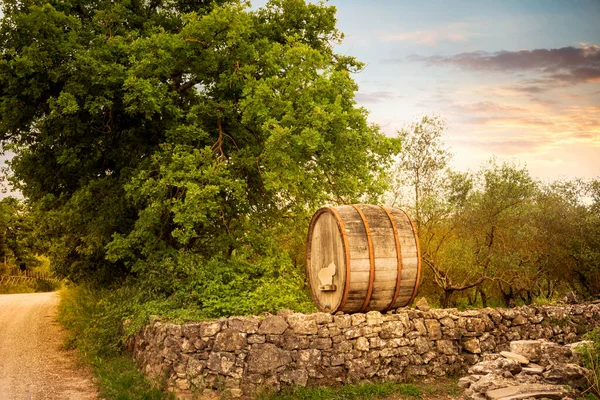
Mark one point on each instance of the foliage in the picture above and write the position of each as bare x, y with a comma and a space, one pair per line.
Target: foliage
28, 286
590, 353
95, 321
19, 248
496, 236
181, 147
442, 388
420, 164
351, 392
118, 378
183, 144
19, 287
18, 243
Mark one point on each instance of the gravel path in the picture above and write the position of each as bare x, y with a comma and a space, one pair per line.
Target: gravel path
33, 363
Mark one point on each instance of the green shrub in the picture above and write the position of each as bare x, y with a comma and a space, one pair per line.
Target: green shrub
20, 287
544, 301
590, 353
119, 379
29, 286
95, 320
96, 317
244, 295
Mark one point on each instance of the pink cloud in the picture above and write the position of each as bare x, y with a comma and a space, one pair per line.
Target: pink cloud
567, 64
484, 107
456, 32
375, 97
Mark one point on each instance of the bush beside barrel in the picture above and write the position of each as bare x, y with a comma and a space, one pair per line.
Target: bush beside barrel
361, 258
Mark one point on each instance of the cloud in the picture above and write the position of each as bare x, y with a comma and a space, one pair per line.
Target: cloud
456, 32
585, 136
484, 107
567, 64
509, 146
560, 119
512, 121
502, 143
507, 129
530, 89
543, 102
375, 97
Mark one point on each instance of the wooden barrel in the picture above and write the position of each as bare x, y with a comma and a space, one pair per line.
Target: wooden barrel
361, 258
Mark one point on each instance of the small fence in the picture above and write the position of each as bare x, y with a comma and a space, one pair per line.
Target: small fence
16, 275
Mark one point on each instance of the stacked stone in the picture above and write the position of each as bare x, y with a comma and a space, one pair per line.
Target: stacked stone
533, 369
242, 354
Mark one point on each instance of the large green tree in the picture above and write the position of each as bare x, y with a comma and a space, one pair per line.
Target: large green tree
158, 136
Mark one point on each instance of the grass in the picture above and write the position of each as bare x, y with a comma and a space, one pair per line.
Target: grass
589, 396
442, 388
347, 392
28, 286
94, 319
591, 359
12, 288
118, 378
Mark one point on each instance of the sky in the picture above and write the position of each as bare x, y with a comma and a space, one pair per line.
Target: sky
518, 80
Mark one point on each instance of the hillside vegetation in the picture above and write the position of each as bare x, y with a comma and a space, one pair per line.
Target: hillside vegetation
181, 149
172, 152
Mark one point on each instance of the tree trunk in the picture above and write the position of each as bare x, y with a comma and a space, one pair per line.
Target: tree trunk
508, 296
473, 298
527, 297
483, 297
447, 298
417, 205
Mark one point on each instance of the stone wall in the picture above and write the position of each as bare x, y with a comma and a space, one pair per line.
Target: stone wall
243, 354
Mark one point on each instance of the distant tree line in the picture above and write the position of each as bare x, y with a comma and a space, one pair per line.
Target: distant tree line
18, 244
496, 236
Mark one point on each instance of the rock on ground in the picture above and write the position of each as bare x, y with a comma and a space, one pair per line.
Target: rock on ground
513, 376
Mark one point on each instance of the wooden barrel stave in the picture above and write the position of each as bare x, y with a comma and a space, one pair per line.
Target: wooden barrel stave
358, 249
409, 246
367, 261
384, 244
323, 239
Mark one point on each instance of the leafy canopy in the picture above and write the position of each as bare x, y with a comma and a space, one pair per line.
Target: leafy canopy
173, 139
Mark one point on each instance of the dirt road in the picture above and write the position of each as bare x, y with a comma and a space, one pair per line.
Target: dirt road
33, 364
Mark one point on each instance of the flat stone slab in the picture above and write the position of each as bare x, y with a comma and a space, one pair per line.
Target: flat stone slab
531, 349
515, 356
533, 369
536, 391
536, 395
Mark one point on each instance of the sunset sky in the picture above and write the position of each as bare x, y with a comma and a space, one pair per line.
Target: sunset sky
515, 79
